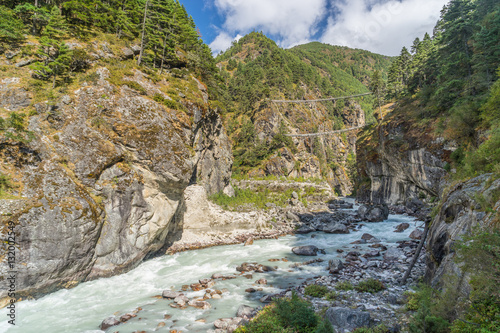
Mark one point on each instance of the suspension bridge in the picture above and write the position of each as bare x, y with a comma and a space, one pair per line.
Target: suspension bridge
323, 100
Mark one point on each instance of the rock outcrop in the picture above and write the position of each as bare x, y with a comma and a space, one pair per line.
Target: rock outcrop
399, 163
102, 184
459, 213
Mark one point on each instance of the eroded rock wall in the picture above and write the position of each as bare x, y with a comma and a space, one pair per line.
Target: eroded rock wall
459, 214
397, 164
101, 185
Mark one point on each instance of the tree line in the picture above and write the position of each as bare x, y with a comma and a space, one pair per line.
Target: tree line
163, 27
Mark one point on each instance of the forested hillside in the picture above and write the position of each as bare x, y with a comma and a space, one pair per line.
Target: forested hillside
358, 63
166, 33
453, 78
441, 140
258, 71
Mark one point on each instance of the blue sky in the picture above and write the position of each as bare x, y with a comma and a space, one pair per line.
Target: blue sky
381, 26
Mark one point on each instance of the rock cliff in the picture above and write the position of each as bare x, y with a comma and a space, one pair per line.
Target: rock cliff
400, 161
101, 184
461, 210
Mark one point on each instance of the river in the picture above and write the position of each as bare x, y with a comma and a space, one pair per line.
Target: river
83, 308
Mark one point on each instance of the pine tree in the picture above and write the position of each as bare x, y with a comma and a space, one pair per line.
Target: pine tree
11, 28
55, 55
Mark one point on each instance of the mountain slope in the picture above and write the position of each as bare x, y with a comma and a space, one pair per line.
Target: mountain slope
359, 63
258, 71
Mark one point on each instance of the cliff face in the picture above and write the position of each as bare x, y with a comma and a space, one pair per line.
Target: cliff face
315, 157
100, 187
399, 162
460, 212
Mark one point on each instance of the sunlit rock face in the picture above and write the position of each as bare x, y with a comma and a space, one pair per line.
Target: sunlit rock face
102, 182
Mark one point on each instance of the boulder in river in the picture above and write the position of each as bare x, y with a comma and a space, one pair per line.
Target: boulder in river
170, 294
207, 283
335, 265
336, 228
245, 311
347, 320
308, 250
200, 304
305, 229
377, 213
402, 227
108, 322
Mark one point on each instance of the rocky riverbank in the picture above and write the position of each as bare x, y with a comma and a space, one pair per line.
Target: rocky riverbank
366, 258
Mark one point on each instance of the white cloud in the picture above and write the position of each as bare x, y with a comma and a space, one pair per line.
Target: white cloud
292, 21
381, 27
222, 42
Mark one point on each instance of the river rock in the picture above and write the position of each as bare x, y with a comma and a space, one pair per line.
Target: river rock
335, 265
108, 322
245, 311
292, 216
181, 300
199, 304
402, 227
370, 239
416, 234
207, 283
393, 253
336, 228
261, 281
347, 320
377, 213
170, 294
305, 229
308, 250
126, 317
249, 241
266, 299
196, 286
223, 323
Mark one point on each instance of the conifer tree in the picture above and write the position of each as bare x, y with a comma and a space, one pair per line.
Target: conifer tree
11, 28
55, 55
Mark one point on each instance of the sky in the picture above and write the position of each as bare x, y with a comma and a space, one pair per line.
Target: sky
380, 26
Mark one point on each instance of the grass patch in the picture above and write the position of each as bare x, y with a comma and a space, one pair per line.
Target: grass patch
344, 285
315, 290
331, 296
247, 197
370, 286
167, 102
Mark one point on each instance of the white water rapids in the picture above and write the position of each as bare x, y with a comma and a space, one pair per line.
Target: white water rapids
83, 308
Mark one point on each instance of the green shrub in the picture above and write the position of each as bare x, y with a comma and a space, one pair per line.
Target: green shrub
426, 319
296, 313
266, 321
286, 315
133, 85
412, 300
167, 102
344, 285
315, 290
331, 296
325, 327
480, 254
371, 286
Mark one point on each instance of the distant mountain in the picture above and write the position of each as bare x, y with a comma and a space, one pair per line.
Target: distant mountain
358, 63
